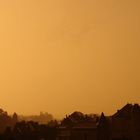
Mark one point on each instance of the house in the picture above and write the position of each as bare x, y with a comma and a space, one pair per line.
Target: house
77, 126
125, 123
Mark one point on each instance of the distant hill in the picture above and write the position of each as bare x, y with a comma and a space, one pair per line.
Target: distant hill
42, 118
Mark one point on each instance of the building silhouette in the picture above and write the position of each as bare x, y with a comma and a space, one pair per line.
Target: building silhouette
123, 125
126, 123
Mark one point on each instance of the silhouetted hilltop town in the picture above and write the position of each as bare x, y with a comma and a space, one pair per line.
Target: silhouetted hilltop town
42, 118
123, 125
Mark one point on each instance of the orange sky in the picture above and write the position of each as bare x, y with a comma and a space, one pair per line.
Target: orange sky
65, 55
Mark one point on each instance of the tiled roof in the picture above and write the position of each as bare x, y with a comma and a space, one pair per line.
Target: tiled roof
127, 111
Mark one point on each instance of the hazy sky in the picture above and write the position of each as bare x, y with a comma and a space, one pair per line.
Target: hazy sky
65, 55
